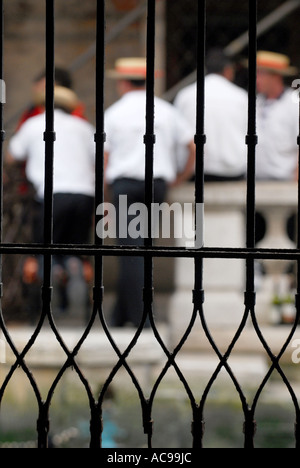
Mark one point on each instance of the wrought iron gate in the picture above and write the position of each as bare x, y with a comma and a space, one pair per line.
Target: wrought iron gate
149, 252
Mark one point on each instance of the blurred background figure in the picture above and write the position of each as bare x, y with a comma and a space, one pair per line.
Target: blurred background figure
277, 149
277, 127
62, 78
225, 119
125, 169
30, 268
277, 119
73, 190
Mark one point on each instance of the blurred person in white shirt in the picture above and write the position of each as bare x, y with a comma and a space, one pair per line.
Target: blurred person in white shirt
226, 110
174, 161
73, 181
277, 119
277, 127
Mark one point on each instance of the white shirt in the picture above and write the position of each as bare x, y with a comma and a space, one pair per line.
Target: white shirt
125, 129
277, 129
226, 110
74, 153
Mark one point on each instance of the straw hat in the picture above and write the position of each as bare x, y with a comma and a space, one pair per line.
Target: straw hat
133, 68
63, 97
275, 63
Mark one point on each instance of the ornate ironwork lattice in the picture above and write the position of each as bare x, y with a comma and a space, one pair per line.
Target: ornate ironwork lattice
149, 252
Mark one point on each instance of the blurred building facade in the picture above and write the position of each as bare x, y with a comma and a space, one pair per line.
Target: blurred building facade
176, 37
176, 40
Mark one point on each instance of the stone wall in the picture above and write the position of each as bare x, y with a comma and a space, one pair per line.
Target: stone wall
75, 33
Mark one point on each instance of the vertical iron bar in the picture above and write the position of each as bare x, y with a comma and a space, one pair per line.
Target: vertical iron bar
1, 131
149, 140
49, 138
297, 298
96, 421
200, 140
200, 137
298, 213
49, 135
100, 134
251, 141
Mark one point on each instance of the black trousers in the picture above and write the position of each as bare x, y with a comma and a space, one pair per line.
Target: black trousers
72, 219
129, 303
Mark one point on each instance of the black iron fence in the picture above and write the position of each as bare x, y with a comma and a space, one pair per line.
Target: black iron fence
149, 252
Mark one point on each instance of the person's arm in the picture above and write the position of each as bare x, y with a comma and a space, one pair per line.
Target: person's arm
189, 169
9, 159
18, 146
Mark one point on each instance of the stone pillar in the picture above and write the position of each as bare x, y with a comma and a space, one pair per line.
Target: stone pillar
224, 280
277, 201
